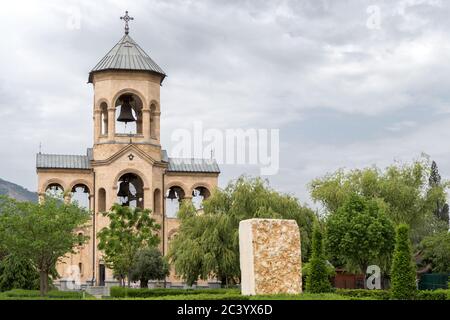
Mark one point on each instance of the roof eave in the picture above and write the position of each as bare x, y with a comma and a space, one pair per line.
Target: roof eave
91, 74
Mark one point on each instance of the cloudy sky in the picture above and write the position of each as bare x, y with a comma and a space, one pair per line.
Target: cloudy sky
348, 83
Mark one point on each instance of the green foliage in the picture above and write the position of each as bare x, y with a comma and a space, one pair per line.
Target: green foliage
440, 294
43, 233
121, 292
18, 273
207, 244
402, 190
149, 265
436, 249
359, 233
364, 293
317, 279
53, 294
129, 230
403, 273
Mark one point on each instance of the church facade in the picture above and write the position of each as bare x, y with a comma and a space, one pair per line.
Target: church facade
126, 163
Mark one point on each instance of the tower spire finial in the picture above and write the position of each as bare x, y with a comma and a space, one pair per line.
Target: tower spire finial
126, 18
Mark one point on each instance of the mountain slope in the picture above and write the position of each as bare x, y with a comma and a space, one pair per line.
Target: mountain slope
17, 192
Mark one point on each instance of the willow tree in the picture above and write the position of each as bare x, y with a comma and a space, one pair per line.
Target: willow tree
403, 189
207, 244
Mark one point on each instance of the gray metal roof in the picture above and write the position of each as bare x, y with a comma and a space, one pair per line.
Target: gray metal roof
193, 165
62, 161
127, 55
65, 161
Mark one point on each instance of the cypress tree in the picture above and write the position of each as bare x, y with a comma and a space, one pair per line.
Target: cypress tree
403, 272
317, 279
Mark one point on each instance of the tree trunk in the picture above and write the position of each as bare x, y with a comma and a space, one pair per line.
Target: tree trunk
43, 283
144, 283
364, 270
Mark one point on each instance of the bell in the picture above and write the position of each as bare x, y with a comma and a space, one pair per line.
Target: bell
126, 115
172, 194
124, 189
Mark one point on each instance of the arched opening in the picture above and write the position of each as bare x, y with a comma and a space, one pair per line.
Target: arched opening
131, 191
174, 196
55, 190
80, 241
157, 201
101, 200
198, 195
104, 118
128, 114
152, 122
80, 195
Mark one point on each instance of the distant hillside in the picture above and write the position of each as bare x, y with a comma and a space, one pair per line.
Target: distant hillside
17, 192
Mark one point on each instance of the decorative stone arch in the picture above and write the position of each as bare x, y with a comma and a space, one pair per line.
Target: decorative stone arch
100, 101
155, 104
134, 171
172, 233
54, 181
132, 91
201, 184
82, 182
178, 184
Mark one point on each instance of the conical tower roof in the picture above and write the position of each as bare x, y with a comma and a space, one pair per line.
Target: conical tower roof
127, 55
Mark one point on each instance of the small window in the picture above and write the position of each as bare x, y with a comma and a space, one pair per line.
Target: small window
80, 237
80, 267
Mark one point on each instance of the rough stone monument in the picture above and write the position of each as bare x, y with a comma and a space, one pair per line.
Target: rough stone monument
270, 256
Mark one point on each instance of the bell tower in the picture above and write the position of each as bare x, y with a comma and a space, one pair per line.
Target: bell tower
126, 85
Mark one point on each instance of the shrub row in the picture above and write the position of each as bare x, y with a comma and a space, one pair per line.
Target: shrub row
440, 294
53, 294
123, 292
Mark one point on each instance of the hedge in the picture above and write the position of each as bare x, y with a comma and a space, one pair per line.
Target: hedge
364, 293
439, 294
124, 292
53, 294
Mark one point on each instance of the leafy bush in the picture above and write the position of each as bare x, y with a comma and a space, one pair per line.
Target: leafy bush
364, 293
403, 273
440, 294
123, 292
54, 294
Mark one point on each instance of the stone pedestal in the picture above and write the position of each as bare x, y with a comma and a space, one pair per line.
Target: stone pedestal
270, 256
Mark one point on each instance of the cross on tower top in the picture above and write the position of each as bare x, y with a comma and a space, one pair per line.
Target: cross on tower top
126, 18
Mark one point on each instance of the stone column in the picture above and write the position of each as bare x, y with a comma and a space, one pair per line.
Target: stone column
270, 257
146, 124
97, 124
111, 123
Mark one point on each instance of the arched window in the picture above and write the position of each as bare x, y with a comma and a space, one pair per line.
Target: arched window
101, 200
55, 190
128, 114
152, 122
131, 191
174, 196
104, 118
198, 195
80, 236
157, 201
80, 195
80, 267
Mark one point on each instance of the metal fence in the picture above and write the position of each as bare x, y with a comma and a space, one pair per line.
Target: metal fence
433, 281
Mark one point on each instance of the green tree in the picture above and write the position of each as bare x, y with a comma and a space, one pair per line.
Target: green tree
403, 273
436, 249
360, 233
18, 273
43, 233
149, 265
317, 279
442, 209
207, 244
129, 230
404, 188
